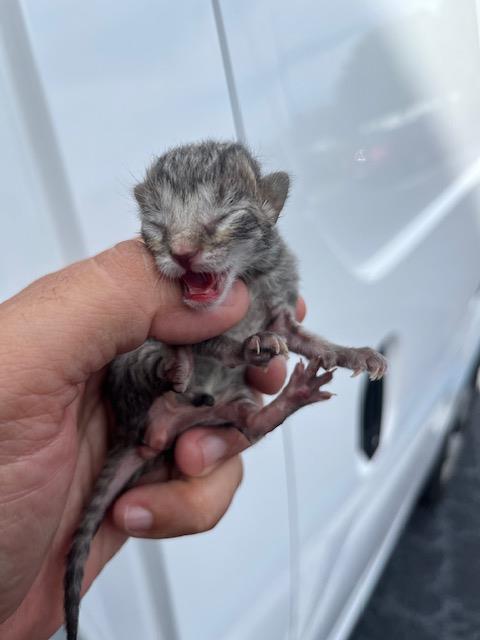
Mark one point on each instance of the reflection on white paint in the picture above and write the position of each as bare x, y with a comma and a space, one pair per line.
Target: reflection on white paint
404, 117
393, 252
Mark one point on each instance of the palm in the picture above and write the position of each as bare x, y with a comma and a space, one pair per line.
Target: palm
72, 459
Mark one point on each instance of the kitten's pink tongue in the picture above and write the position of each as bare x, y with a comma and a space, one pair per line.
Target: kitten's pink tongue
202, 287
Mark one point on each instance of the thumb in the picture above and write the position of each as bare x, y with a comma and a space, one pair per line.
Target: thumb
76, 320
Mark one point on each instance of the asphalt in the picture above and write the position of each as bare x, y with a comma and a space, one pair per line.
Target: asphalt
430, 589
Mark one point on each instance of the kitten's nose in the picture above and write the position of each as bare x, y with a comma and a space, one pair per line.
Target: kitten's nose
184, 254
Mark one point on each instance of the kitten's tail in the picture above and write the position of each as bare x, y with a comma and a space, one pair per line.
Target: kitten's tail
122, 467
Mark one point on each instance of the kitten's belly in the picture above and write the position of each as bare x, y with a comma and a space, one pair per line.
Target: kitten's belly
213, 378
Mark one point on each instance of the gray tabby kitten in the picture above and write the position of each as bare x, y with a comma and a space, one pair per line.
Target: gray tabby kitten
208, 216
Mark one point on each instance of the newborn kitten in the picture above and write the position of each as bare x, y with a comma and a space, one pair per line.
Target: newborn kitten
208, 217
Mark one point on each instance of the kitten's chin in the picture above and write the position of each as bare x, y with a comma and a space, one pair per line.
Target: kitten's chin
205, 290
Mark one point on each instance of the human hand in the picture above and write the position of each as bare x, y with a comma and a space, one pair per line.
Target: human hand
57, 337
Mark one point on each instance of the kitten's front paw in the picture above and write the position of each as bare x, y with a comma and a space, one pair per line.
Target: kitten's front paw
260, 348
363, 359
178, 368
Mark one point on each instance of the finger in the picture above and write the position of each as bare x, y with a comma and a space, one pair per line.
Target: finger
84, 315
301, 310
178, 507
270, 380
198, 450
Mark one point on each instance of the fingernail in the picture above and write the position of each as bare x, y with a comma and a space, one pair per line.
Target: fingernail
137, 519
213, 449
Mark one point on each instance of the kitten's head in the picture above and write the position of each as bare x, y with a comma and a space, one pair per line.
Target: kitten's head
208, 216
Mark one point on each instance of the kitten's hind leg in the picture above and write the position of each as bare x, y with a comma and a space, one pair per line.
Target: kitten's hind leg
254, 421
169, 417
304, 387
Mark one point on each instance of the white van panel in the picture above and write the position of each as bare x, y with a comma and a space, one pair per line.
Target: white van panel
125, 81
378, 126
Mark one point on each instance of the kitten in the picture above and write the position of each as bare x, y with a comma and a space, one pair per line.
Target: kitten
208, 217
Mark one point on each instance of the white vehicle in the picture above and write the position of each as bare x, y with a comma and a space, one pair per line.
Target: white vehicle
373, 108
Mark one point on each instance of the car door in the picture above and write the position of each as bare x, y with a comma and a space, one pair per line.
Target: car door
379, 133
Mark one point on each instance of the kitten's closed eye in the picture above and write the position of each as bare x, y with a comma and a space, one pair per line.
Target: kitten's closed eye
221, 218
211, 227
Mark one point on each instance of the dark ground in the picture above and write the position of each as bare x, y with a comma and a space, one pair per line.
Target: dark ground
430, 589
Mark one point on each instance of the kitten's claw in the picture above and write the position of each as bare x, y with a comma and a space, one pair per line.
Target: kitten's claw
304, 386
260, 348
255, 344
376, 374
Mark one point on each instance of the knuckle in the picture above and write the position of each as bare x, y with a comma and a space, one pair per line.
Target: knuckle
125, 260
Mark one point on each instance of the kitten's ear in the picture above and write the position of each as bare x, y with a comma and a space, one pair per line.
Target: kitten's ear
139, 192
274, 189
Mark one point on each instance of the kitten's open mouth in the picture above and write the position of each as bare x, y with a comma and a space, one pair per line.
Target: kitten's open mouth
202, 286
